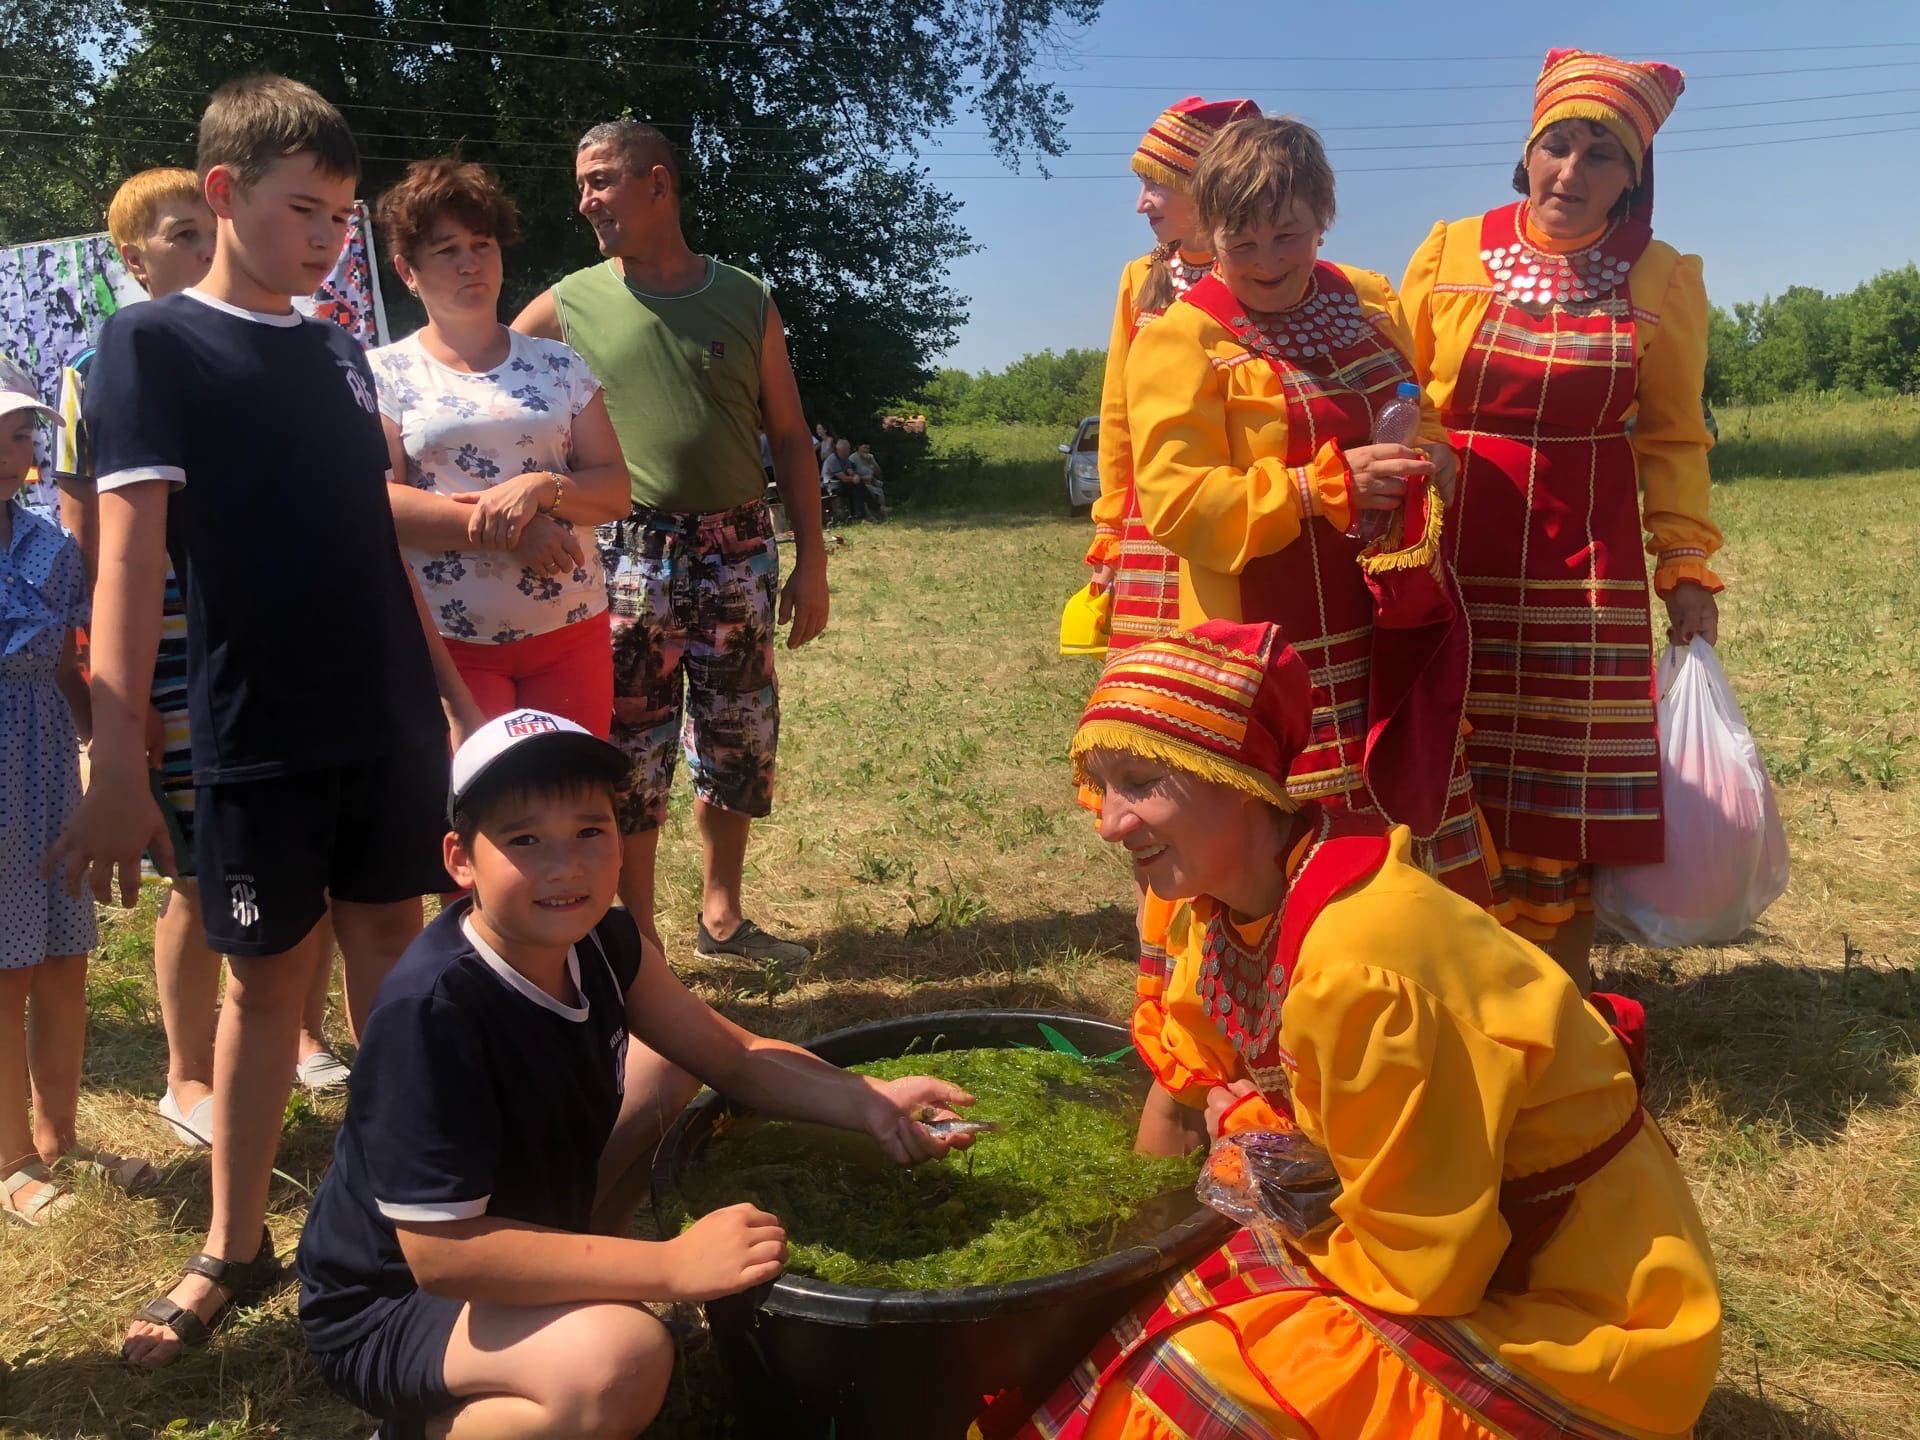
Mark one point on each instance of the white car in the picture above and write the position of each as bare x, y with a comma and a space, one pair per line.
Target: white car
1083, 464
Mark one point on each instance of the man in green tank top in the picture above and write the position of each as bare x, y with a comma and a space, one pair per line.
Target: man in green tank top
693, 359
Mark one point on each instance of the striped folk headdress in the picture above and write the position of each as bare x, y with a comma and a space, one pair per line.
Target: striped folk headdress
1226, 702
1632, 100
1171, 148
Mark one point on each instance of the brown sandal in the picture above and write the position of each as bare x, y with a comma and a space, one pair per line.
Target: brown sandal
119, 1171
242, 1280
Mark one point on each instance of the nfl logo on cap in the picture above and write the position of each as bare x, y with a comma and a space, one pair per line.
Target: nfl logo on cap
499, 737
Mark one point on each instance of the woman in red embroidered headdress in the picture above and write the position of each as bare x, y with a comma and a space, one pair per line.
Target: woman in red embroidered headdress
1252, 405
1144, 578
1498, 1242
1565, 349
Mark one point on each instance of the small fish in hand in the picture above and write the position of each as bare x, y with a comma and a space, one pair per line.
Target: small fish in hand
952, 1126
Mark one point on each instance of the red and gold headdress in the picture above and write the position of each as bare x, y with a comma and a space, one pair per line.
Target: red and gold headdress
1629, 98
1632, 100
1224, 702
1171, 148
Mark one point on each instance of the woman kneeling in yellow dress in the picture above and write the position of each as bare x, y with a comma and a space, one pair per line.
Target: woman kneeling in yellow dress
1510, 1249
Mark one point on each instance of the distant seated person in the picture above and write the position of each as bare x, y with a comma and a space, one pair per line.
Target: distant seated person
840, 478
868, 469
448, 1283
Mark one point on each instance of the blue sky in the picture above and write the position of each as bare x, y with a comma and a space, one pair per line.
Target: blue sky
1774, 213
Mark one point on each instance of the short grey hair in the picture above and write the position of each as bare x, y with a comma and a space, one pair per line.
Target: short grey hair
640, 146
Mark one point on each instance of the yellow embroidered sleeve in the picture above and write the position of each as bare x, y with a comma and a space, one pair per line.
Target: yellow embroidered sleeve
1179, 1044
1116, 451
1201, 504
1413, 311
1670, 436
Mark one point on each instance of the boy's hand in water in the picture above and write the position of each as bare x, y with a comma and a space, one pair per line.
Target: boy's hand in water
895, 1123
724, 1253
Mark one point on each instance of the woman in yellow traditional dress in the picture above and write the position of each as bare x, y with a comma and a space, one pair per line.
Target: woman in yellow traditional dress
1143, 577
1252, 405
1565, 350
1510, 1252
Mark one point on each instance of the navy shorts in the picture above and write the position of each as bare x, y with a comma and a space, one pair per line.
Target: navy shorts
397, 1370
270, 853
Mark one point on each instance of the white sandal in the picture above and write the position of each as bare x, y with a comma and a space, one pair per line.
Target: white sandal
321, 1071
52, 1199
195, 1126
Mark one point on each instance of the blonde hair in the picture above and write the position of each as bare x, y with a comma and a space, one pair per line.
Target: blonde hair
139, 198
1256, 168
258, 120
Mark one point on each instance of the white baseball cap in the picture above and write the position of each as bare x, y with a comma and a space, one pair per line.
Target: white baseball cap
511, 733
18, 392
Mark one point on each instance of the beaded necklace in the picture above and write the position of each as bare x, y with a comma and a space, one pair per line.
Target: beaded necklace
1185, 274
1242, 987
1527, 275
1317, 325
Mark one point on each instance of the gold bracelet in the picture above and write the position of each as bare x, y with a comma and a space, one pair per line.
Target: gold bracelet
559, 491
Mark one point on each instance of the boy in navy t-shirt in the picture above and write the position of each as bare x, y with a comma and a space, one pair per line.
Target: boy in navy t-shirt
447, 1282
242, 441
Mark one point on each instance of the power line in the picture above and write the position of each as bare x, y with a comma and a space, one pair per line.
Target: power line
1406, 89
1346, 170
837, 47
510, 117
1006, 175
1448, 145
436, 45
449, 46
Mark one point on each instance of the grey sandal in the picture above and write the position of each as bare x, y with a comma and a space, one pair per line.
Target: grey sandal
53, 1197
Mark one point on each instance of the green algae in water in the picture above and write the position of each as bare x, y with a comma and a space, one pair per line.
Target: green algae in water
1059, 1186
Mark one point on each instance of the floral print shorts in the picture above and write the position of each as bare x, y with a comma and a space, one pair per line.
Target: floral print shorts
693, 603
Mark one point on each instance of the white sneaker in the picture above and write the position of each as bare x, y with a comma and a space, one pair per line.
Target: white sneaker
195, 1126
322, 1070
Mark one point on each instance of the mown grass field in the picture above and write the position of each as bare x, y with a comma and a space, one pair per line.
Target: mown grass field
926, 836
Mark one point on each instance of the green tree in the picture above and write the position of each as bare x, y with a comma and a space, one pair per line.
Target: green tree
1806, 341
1038, 389
1883, 341
799, 125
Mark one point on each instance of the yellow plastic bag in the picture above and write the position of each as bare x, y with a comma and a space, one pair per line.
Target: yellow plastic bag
1086, 622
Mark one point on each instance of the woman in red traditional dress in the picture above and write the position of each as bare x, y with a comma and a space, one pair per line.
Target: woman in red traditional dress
1565, 349
1251, 405
1144, 578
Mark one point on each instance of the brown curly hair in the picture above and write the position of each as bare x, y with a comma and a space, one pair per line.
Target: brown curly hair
1256, 168
443, 186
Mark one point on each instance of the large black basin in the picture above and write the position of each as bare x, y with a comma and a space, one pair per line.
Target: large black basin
808, 1359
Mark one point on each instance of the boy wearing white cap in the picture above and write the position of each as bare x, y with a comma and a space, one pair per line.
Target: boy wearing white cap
448, 1284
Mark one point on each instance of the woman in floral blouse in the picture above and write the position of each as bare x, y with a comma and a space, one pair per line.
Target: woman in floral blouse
503, 460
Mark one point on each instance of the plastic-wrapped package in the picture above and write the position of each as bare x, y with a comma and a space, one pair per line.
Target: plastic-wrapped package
1270, 1179
1726, 851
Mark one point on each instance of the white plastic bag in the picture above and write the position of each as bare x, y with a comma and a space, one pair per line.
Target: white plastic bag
1726, 848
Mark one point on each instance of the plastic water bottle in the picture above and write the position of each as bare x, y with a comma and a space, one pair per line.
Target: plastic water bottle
1397, 424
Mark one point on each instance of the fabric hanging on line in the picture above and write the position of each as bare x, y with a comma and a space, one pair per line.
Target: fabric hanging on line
55, 295
350, 295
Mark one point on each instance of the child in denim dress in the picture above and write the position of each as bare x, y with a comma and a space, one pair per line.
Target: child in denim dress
45, 933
